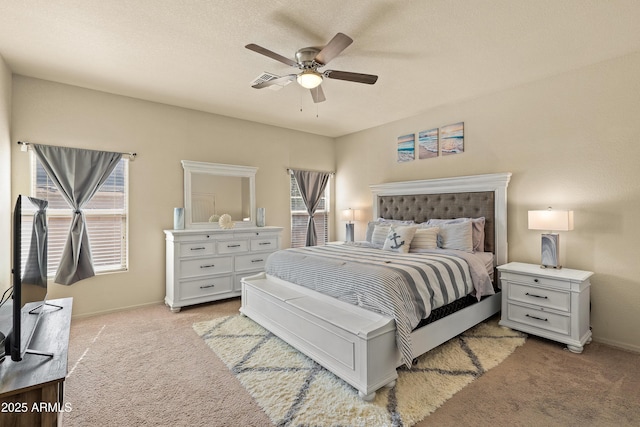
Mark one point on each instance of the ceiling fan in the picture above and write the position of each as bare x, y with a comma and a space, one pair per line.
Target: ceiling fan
309, 60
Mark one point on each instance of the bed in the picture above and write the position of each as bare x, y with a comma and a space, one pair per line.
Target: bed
364, 343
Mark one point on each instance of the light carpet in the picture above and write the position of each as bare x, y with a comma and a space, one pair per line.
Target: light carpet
293, 390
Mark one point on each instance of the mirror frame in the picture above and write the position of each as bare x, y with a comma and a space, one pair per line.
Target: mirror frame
190, 167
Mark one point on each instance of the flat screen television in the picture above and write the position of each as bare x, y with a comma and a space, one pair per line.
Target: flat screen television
29, 274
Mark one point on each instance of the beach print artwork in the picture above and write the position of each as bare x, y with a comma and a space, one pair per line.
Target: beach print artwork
428, 144
406, 148
452, 139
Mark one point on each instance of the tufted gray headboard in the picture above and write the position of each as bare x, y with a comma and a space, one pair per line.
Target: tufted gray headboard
462, 196
422, 207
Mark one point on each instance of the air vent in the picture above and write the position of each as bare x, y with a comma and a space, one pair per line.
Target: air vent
265, 77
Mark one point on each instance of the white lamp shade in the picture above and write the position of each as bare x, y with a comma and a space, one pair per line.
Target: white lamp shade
551, 220
348, 214
309, 79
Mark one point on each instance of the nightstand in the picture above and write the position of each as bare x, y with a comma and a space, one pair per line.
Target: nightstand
548, 303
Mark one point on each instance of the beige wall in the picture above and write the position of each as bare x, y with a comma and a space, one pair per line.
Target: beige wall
162, 135
5, 176
571, 141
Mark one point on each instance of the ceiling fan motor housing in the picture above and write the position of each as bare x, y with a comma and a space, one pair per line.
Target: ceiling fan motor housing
305, 57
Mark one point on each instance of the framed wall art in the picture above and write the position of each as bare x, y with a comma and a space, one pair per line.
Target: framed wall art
452, 139
406, 148
428, 144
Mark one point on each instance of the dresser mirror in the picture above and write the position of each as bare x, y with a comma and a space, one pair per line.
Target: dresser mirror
213, 189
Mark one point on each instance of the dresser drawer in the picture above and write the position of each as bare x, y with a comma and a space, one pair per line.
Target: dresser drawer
264, 244
232, 246
206, 266
536, 280
539, 319
195, 238
251, 262
558, 300
196, 249
203, 287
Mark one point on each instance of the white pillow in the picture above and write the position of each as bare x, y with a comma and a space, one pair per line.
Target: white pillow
425, 238
399, 239
379, 234
456, 236
372, 224
477, 230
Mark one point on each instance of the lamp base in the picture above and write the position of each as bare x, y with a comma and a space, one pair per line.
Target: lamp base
349, 235
550, 253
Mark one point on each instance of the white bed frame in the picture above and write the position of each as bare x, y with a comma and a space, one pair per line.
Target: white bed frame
355, 344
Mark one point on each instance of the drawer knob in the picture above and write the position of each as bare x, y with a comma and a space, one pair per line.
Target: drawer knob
198, 249
537, 296
233, 246
207, 266
257, 260
535, 280
207, 286
537, 318
264, 243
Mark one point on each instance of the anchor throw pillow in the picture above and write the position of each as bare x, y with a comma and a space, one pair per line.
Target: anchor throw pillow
399, 239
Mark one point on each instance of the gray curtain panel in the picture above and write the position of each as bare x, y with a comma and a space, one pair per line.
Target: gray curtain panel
78, 174
311, 185
35, 270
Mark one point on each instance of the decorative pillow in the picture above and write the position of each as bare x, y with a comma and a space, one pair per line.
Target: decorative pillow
477, 230
456, 236
425, 238
372, 224
379, 234
399, 238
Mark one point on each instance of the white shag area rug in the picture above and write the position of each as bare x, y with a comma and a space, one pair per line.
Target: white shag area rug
293, 390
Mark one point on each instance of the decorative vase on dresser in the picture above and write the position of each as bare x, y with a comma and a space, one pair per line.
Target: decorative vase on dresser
207, 264
550, 303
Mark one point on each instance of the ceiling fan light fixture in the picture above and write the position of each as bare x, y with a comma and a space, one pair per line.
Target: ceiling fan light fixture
309, 79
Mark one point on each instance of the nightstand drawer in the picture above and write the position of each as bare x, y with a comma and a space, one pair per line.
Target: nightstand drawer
535, 280
558, 300
539, 319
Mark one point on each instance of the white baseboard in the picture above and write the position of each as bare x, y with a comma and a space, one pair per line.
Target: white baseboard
617, 344
116, 310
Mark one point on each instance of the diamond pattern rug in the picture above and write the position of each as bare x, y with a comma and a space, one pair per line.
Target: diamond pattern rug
293, 390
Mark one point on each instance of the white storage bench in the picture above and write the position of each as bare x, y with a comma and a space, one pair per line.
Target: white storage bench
357, 345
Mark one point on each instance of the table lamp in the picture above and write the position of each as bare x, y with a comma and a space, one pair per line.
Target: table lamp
349, 215
550, 220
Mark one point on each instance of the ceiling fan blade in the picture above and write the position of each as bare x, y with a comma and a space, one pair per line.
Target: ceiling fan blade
279, 80
266, 52
351, 77
337, 44
317, 94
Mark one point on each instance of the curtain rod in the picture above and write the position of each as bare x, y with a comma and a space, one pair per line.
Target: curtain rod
289, 171
25, 147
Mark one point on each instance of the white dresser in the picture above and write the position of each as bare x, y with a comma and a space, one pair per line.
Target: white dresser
549, 303
207, 265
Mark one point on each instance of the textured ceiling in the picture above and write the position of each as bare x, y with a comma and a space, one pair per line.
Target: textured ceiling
427, 53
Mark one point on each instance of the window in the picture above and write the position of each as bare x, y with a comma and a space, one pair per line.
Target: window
105, 215
300, 217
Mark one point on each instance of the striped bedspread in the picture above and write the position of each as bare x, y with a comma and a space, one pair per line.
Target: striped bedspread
405, 287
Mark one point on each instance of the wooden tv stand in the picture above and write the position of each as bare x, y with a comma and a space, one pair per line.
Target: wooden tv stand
32, 390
